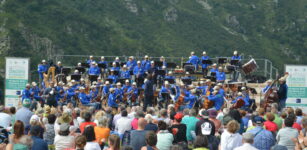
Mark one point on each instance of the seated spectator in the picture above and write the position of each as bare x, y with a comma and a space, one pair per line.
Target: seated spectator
87, 121
18, 140
123, 124
165, 139
299, 115
248, 139
150, 126
102, 131
38, 143
151, 141
91, 143
80, 142
263, 139
285, 134
137, 140
230, 139
114, 142
190, 121
212, 117
269, 124
201, 143
49, 130
178, 129
63, 140
5, 119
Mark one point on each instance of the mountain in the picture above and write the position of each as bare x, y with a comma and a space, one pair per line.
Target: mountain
40, 29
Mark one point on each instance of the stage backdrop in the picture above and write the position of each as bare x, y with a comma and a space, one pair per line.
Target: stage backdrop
297, 86
16, 77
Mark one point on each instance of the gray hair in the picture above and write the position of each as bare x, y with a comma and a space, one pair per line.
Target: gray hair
304, 122
103, 121
193, 112
248, 137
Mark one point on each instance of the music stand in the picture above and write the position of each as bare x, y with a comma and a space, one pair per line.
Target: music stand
189, 68
116, 72
213, 74
61, 77
185, 64
75, 77
122, 64
222, 60
234, 62
207, 62
66, 71
93, 78
131, 72
171, 65
165, 96
110, 80
186, 81
104, 66
122, 80
81, 69
158, 64
85, 65
253, 91
171, 81
161, 72
140, 81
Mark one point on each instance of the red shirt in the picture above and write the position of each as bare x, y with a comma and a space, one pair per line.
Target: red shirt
134, 123
270, 126
297, 126
84, 124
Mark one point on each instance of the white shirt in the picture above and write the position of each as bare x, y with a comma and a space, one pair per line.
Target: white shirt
63, 142
230, 141
246, 146
92, 146
123, 124
5, 120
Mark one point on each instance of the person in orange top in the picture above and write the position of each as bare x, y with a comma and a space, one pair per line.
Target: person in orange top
269, 124
102, 131
87, 121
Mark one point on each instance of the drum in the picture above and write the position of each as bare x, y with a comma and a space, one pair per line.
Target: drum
249, 67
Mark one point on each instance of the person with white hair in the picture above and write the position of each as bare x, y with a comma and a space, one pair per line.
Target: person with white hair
217, 98
133, 94
103, 62
204, 66
146, 63
220, 75
248, 140
91, 60
239, 97
194, 60
94, 69
169, 76
126, 86
164, 94
164, 63
236, 56
58, 68
131, 63
214, 68
86, 99
267, 86
115, 66
138, 72
117, 60
125, 73
41, 69
112, 76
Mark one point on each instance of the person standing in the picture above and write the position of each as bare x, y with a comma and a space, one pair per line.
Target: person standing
148, 93
282, 93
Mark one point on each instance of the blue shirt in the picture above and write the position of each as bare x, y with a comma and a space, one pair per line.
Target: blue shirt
94, 70
113, 77
131, 65
190, 101
90, 61
146, 65
138, 70
42, 68
264, 140
218, 100
220, 76
39, 144
106, 89
204, 58
84, 99
125, 74
266, 88
35, 91
103, 62
26, 94
236, 58
112, 100
214, 70
194, 60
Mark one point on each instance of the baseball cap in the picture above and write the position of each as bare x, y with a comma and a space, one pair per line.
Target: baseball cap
26, 103
258, 120
204, 113
178, 116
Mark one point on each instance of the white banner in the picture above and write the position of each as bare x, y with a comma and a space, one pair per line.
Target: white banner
16, 77
297, 86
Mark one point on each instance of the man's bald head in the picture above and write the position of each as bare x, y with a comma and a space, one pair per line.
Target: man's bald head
141, 124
